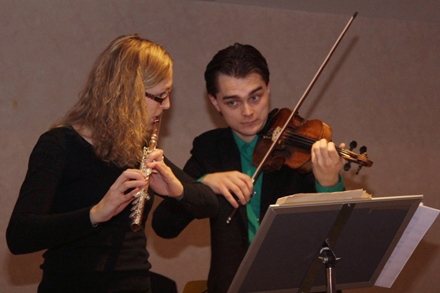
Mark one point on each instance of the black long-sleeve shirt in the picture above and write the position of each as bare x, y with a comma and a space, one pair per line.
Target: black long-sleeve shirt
64, 180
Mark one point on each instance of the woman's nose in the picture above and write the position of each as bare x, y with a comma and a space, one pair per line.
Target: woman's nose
166, 104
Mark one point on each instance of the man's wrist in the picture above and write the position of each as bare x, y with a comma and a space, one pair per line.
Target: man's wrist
338, 187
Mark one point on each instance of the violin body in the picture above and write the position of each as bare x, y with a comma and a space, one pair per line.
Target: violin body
293, 145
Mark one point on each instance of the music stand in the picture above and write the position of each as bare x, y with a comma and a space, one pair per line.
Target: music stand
284, 256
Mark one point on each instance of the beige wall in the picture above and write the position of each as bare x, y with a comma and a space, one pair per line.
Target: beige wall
380, 88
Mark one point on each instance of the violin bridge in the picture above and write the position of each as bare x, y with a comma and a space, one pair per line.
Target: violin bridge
276, 133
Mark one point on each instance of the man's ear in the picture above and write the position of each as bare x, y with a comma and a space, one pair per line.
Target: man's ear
214, 102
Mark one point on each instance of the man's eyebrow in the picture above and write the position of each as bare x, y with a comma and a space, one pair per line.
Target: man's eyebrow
236, 97
230, 97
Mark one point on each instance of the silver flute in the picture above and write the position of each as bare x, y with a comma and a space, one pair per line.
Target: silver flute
142, 196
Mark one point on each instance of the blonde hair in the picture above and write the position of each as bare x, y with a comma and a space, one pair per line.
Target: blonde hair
112, 104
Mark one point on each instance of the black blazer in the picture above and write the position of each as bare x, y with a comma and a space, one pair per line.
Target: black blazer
216, 151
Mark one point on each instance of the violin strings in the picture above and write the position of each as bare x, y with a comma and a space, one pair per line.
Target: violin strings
301, 140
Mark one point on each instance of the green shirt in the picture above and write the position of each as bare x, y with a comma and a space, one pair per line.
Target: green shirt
252, 207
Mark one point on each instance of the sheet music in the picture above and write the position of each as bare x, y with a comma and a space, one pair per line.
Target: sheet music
417, 227
323, 196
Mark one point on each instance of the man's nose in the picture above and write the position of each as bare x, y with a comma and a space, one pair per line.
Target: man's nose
247, 110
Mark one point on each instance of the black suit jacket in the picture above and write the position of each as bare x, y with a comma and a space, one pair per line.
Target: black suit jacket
216, 151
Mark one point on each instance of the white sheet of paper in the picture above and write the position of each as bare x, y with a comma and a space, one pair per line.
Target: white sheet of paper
323, 196
414, 232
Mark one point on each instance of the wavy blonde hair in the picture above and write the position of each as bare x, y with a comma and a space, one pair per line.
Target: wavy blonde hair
112, 104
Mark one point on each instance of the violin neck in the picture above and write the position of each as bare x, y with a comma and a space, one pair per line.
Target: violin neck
301, 141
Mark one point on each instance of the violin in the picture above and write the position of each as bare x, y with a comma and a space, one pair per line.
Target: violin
293, 146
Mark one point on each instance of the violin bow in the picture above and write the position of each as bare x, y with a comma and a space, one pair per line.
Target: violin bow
298, 105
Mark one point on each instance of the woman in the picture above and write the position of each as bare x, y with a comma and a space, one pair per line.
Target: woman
84, 172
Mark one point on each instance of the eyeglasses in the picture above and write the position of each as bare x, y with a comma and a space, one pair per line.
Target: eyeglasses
160, 98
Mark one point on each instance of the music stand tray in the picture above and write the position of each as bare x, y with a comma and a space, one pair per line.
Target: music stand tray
288, 243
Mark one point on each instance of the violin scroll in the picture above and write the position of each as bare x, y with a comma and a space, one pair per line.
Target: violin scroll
361, 159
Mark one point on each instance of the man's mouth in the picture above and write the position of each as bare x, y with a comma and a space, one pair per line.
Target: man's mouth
249, 123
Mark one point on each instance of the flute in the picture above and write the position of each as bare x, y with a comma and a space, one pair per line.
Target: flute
142, 196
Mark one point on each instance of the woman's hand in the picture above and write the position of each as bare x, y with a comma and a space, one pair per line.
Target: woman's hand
116, 198
162, 179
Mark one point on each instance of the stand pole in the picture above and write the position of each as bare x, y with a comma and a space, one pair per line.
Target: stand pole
329, 259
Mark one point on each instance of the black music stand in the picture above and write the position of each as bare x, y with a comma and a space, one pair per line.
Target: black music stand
285, 254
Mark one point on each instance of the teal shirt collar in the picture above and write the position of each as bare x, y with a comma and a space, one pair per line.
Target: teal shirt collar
241, 144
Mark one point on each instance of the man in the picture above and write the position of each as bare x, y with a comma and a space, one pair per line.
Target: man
237, 82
